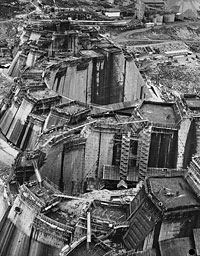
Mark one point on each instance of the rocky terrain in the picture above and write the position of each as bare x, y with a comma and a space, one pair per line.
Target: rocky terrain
9, 8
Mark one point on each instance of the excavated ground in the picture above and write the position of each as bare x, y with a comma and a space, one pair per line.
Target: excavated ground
9, 8
181, 74
186, 31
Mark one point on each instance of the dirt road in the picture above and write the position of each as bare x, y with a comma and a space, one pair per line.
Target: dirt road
129, 35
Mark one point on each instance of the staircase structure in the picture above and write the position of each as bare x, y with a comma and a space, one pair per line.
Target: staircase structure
144, 148
124, 156
197, 128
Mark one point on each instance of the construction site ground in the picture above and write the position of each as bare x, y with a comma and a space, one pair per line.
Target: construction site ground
158, 33
180, 74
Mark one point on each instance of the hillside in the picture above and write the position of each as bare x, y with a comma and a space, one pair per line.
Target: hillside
9, 8
189, 8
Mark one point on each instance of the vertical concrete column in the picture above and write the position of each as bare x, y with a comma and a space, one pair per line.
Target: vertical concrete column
133, 82
182, 138
197, 126
117, 78
3, 201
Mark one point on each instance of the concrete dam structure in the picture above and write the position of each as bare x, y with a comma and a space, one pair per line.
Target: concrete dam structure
102, 138
24, 228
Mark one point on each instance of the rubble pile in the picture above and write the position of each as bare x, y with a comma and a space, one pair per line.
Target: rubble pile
5, 86
9, 8
183, 80
171, 66
188, 33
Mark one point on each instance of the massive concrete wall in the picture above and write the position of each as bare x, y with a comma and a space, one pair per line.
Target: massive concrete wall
163, 149
182, 139
117, 78
98, 152
31, 58
73, 166
91, 154
134, 82
106, 150
65, 165
97, 79
36, 131
13, 121
53, 164
74, 83
18, 62
108, 78
26, 232
72, 162
19, 121
7, 118
69, 81
177, 246
3, 202
110, 88
197, 128
16, 229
